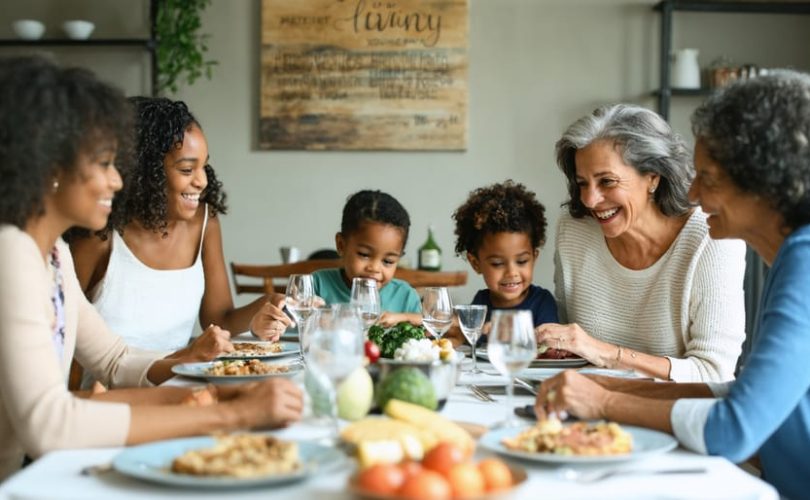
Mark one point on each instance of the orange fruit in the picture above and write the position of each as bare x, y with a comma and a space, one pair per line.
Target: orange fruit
497, 475
425, 485
466, 480
381, 478
442, 457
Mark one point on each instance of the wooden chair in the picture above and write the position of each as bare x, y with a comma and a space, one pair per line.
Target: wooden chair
270, 278
273, 278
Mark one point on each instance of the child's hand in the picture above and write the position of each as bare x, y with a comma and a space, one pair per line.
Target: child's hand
389, 319
486, 328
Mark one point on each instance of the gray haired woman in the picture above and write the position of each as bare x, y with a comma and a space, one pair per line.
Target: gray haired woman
639, 283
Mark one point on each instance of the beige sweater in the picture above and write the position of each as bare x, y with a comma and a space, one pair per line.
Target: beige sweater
38, 413
687, 306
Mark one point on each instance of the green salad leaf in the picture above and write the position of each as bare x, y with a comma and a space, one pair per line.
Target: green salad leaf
391, 339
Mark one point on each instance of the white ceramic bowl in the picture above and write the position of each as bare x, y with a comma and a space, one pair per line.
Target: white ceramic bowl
78, 30
28, 29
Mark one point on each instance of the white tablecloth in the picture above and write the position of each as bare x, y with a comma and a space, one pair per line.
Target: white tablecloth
57, 475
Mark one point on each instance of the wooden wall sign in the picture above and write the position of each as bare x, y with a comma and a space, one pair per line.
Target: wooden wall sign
364, 74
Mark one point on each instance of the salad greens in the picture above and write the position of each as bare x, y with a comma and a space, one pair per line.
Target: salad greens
390, 339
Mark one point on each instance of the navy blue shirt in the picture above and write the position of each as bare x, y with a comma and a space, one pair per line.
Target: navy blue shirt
539, 301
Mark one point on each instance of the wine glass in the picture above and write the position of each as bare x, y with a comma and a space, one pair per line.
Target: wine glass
511, 348
300, 304
471, 321
335, 351
437, 310
366, 297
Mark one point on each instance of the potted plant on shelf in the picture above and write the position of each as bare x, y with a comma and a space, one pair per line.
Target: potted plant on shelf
181, 48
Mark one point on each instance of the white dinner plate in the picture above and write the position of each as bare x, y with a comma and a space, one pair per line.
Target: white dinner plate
481, 352
541, 374
646, 442
287, 348
152, 462
199, 370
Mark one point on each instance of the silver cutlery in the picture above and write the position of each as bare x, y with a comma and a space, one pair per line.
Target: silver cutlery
95, 470
592, 476
526, 385
481, 393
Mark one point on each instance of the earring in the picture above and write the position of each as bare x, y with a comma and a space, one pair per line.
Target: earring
652, 189
55, 185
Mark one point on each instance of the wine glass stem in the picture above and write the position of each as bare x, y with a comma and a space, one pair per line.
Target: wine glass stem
510, 404
475, 360
333, 416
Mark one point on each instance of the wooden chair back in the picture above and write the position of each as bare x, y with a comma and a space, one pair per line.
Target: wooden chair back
272, 278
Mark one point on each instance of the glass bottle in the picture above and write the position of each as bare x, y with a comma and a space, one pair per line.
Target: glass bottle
430, 255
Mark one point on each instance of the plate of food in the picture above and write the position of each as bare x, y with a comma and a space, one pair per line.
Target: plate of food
578, 442
260, 349
237, 370
226, 461
546, 359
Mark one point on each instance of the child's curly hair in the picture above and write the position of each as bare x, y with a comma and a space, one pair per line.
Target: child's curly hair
503, 207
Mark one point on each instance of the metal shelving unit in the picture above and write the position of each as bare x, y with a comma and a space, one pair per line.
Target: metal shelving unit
668, 7
149, 44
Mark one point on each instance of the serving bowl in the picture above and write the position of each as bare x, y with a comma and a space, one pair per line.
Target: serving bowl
28, 29
442, 374
78, 29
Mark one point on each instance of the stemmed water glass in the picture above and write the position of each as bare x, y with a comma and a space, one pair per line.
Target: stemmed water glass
335, 351
366, 297
471, 321
511, 348
437, 310
301, 305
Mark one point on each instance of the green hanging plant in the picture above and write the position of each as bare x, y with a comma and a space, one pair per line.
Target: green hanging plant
180, 47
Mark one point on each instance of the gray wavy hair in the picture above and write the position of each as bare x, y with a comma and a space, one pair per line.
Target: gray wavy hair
645, 141
758, 131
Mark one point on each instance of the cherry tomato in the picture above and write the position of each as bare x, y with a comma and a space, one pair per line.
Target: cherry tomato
497, 475
442, 457
372, 351
466, 480
426, 485
381, 478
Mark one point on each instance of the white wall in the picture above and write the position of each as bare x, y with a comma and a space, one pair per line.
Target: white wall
535, 66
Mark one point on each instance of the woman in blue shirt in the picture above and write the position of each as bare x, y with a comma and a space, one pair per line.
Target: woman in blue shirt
752, 157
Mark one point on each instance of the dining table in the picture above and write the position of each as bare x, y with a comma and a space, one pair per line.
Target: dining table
86, 474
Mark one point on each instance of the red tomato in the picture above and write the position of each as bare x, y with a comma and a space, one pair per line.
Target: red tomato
425, 485
466, 480
372, 351
497, 475
381, 478
410, 468
442, 457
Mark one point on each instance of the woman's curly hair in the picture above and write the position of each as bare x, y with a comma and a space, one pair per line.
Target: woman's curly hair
504, 207
160, 127
758, 131
50, 115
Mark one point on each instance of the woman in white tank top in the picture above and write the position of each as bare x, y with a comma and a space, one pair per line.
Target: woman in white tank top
159, 264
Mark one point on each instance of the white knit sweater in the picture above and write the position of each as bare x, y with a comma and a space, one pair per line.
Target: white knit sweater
688, 306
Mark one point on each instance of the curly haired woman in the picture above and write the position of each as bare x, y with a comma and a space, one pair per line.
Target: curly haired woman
160, 256
500, 228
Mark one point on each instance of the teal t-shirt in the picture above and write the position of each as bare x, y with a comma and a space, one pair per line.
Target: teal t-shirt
396, 296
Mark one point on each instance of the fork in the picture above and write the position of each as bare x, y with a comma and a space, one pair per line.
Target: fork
586, 477
481, 393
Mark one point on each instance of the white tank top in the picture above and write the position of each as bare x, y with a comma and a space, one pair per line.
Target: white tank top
150, 308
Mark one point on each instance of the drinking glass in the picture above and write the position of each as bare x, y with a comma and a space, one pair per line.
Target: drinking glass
366, 297
301, 305
511, 348
335, 351
471, 321
437, 310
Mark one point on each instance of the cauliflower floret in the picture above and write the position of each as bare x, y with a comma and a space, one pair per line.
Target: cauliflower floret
417, 350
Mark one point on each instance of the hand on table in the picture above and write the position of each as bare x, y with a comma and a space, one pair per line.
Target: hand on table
572, 393
571, 338
389, 319
271, 321
274, 402
213, 342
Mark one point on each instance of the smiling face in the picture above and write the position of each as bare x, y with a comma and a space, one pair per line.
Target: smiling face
506, 262
185, 175
371, 251
730, 212
84, 198
616, 194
